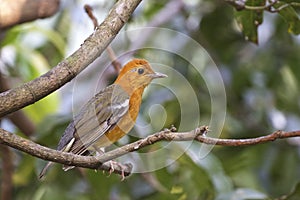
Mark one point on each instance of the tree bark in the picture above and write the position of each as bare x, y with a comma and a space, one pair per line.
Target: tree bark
20, 11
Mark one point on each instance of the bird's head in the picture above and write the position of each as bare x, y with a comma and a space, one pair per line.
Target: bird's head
137, 74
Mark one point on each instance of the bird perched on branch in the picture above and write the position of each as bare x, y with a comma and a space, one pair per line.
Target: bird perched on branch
110, 114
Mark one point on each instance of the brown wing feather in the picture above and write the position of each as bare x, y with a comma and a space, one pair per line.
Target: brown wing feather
99, 115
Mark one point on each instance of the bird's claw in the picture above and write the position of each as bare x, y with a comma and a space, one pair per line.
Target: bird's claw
112, 169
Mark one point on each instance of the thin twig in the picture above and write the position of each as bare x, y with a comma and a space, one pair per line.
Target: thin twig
270, 6
89, 11
251, 141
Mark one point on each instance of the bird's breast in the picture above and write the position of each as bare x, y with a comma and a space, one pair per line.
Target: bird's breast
125, 124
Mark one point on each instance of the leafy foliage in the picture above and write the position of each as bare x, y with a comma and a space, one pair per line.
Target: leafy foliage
249, 15
249, 20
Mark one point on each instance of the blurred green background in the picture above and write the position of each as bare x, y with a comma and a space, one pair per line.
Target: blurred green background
262, 95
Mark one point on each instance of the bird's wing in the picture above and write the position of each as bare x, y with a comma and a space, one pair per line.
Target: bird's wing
100, 114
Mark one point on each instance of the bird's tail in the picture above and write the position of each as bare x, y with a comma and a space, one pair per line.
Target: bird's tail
44, 170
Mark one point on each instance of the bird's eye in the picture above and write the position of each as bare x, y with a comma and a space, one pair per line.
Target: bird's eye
140, 70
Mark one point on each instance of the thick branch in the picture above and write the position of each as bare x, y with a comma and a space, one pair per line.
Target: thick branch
45, 153
20, 11
94, 162
92, 48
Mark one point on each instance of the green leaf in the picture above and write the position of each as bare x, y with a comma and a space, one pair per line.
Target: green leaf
249, 20
290, 16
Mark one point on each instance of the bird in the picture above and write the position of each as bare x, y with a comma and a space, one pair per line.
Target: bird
110, 114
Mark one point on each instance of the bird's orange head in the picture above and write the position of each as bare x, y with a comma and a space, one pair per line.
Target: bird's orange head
137, 74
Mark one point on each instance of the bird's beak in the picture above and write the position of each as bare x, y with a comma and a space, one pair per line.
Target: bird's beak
157, 75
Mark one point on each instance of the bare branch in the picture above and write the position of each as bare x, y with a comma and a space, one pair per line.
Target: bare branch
251, 141
89, 11
45, 153
270, 6
94, 162
66, 70
20, 11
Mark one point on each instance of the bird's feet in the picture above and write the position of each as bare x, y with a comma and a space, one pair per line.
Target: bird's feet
113, 165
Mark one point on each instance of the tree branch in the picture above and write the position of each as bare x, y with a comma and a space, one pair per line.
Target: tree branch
20, 11
279, 134
94, 162
66, 70
270, 5
45, 153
